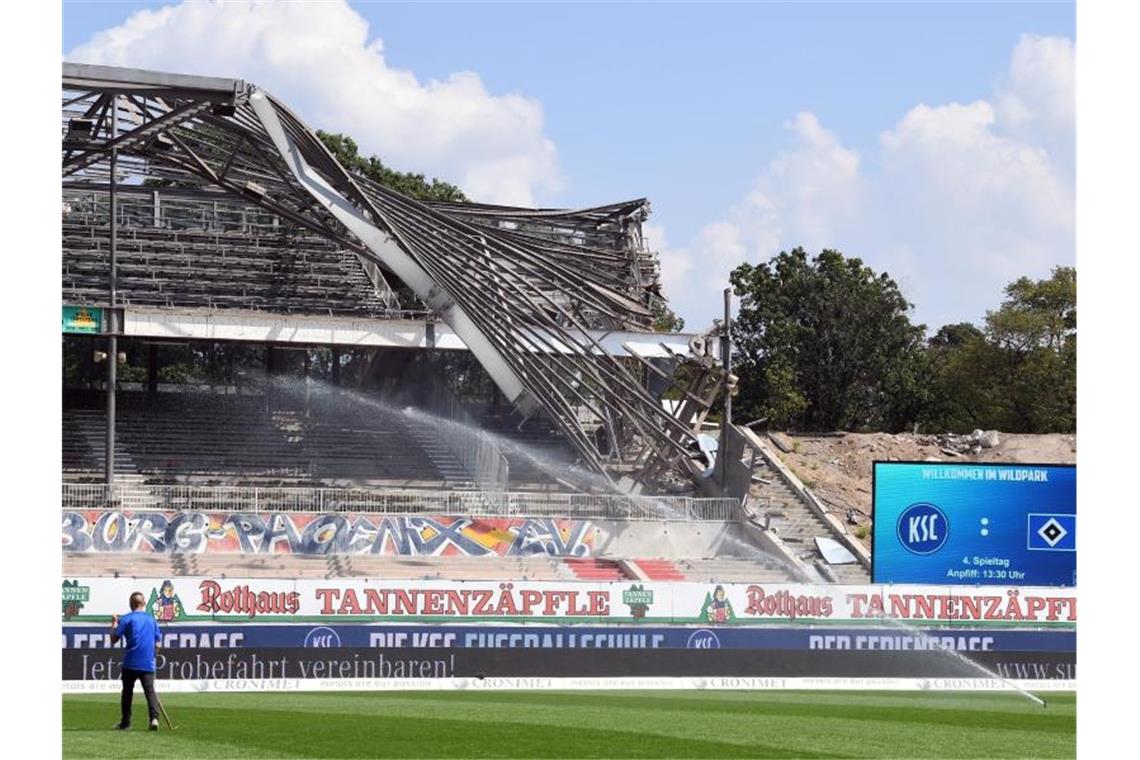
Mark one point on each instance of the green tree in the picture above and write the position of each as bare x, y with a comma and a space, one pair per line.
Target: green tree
826, 343
1035, 331
1019, 372
413, 185
963, 366
664, 318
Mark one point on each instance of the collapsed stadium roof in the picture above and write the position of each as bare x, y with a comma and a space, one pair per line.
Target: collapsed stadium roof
525, 290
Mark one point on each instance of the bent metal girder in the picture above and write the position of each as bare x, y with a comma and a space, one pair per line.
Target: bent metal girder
521, 287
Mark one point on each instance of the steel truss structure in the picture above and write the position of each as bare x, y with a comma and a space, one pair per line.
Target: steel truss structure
523, 288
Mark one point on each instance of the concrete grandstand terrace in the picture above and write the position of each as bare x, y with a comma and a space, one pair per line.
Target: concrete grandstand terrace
208, 268
783, 507
150, 565
238, 439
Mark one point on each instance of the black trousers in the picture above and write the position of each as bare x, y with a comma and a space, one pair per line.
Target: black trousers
147, 679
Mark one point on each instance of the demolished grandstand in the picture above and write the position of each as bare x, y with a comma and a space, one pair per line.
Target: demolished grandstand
201, 215
525, 290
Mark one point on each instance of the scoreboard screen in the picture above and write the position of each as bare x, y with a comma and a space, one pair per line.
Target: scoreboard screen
972, 523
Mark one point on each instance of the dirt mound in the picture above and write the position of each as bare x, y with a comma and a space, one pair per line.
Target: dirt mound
837, 467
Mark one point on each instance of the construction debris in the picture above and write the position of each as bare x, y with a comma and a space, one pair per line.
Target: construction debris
956, 445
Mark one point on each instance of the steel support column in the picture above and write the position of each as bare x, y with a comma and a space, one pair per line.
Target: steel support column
112, 298
726, 360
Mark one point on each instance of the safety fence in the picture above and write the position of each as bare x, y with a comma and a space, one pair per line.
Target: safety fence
87, 496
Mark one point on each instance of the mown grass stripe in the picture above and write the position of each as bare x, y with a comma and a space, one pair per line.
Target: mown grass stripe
627, 724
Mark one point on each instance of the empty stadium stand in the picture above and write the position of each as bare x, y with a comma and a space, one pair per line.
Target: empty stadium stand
533, 447
287, 272
234, 439
539, 568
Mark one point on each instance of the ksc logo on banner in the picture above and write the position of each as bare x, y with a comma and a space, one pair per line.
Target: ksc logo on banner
923, 528
703, 639
322, 637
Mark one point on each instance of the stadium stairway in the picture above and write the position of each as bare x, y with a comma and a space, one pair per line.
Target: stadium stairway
784, 510
90, 429
454, 474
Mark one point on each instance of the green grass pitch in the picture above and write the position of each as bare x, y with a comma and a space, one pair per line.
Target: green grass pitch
649, 724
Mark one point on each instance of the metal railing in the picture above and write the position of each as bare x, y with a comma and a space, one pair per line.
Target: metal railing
154, 209
177, 498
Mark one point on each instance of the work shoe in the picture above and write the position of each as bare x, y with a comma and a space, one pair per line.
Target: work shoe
154, 724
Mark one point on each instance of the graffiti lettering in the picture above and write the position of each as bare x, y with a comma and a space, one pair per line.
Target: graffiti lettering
321, 534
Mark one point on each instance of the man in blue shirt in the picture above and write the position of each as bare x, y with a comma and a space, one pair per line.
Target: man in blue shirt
140, 630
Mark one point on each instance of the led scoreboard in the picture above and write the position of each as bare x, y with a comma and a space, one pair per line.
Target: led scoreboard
973, 523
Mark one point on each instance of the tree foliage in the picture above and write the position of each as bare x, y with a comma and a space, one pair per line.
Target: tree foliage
413, 185
825, 343
664, 318
1019, 373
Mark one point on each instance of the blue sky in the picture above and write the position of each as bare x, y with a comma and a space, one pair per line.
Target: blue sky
697, 107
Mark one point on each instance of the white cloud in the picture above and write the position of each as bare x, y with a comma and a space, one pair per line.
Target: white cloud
803, 197
979, 208
1036, 99
955, 200
318, 58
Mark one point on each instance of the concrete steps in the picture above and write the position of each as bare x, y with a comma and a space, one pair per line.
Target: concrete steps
786, 512
441, 457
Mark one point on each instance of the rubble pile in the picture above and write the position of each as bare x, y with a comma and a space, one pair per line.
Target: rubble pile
953, 445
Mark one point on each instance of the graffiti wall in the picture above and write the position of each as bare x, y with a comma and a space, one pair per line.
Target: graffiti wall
316, 534
439, 601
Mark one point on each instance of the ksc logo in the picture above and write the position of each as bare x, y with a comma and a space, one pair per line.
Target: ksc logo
322, 637
923, 528
703, 639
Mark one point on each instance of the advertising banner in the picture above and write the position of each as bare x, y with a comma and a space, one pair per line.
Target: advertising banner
974, 523
489, 636
331, 601
320, 534
369, 663
82, 319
